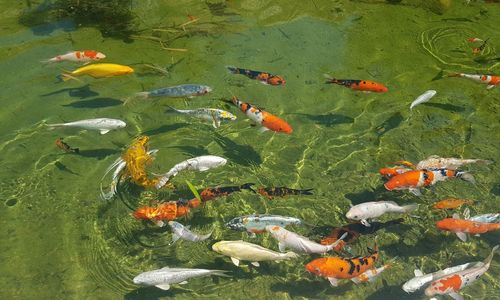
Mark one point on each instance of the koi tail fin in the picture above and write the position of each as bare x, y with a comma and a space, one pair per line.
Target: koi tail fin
306, 192
337, 242
66, 76
142, 95
410, 208
221, 273
75, 150
248, 186
439, 75
466, 176
487, 261
171, 110
233, 69
290, 255
329, 79
48, 61
52, 126
454, 74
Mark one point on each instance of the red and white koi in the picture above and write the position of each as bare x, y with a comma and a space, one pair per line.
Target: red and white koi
450, 285
85, 56
490, 80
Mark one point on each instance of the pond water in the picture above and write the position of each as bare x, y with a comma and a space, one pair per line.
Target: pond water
60, 240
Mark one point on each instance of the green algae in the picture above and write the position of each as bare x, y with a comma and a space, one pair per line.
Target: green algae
61, 241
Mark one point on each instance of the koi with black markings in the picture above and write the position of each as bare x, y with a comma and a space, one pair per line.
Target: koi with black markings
64, 146
211, 193
282, 191
264, 77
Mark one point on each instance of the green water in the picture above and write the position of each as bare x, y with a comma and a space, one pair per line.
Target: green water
61, 241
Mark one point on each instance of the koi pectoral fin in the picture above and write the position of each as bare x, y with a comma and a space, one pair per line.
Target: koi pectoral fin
456, 296
415, 192
333, 281
462, 236
365, 222
235, 261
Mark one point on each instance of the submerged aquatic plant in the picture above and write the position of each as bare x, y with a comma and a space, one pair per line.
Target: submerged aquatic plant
113, 18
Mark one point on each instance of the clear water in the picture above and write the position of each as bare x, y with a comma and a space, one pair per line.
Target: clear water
61, 241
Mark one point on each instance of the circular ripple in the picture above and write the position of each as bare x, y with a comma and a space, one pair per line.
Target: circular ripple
449, 46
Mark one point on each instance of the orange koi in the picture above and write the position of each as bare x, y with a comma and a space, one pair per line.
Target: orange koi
461, 227
263, 77
335, 268
451, 203
259, 116
67, 148
359, 85
165, 211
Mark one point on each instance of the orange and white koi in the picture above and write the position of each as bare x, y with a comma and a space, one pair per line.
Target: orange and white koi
165, 211
474, 40
263, 77
85, 56
461, 227
359, 85
451, 284
490, 80
451, 203
415, 179
335, 267
266, 120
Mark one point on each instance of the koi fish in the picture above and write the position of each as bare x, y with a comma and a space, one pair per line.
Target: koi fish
490, 80
211, 193
263, 77
240, 250
359, 85
461, 227
486, 218
166, 276
85, 56
414, 179
335, 268
390, 172
200, 163
165, 211
257, 223
263, 118
405, 163
298, 243
371, 274
480, 49
354, 231
421, 279
103, 125
64, 146
98, 71
423, 98
451, 284
451, 203
180, 231
474, 40
282, 191
436, 162
208, 114
178, 91
369, 210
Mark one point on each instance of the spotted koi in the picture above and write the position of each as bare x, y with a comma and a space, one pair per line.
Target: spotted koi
359, 85
263, 77
281, 191
211, 193
490, 80
85, 56
335, 268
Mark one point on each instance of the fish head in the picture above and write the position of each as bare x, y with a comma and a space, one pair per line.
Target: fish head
381, 88
405, 180
141, 279
236, 224
127, 70
121, 124
203, 90
316, 266
276, 124
354, 214
99, 56
146, 213
276, 80
412, 285
227, 115
221, 247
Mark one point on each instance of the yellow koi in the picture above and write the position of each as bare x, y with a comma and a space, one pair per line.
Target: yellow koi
98, 71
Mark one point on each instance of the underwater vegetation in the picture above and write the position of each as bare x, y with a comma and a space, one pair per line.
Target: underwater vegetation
114, 18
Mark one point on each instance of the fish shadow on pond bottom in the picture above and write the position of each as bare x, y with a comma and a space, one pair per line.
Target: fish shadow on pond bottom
446, 106
310, 289
164, 129
392, 292
392, 122
327, 120
94, 103
241, 154
152, 292
192, 151
98, 153
80, 92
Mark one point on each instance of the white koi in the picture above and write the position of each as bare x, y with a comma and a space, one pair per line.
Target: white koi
369, 210
423, 98
180, 231
103, 125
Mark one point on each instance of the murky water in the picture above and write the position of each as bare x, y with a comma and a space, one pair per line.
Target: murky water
61, 241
